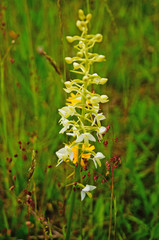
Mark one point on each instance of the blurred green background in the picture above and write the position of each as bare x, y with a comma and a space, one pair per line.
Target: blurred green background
31, 91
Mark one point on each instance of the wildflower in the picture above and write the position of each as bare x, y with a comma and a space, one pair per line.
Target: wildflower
67, 111
66, 124
74, 132
86, 190
101, 130
97, 158
86, 137
64, 154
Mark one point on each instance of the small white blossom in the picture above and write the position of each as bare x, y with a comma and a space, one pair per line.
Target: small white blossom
66, 123
67, 111
86, 190
86, 137
99, 117
95, 99
101, 130
104, 98
97, 158
75, 132
64, 154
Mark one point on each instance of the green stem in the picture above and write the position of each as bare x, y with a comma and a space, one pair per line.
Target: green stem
115, 212
31, 53
81, 216
70, 215
3, 102
61, 35
111, 206
88, 9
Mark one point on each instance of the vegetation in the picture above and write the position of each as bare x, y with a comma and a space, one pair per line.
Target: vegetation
34, 197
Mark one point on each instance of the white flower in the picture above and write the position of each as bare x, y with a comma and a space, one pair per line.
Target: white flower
97, 158
64, 154
101, 130
67, 111
95, 99
86, 137
96, 108
104, 98
74, 133
86, 190
99, 117
65, 123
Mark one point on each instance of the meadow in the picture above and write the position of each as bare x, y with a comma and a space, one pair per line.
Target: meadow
35, 198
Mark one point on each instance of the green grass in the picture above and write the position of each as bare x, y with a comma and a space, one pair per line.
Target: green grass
31, 92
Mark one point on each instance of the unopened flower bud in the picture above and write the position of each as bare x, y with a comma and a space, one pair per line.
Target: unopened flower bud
83, 24
81, 14
100, 58
68, 60
80, 54
103, 181
78, 24
76, 65
107, 173
103, 80
104, 98
89, 16
69, 39
85, 78
99, 37
81, 44
68, 84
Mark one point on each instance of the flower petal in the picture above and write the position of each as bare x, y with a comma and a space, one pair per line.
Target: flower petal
83, 194
99, 155
71, 155
88, 188
91, 138
95, 162
102, 130
80, 138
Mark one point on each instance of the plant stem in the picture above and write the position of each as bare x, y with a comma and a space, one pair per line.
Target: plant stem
115, 212
61, 35
70, 215
3, 102
88, 9
111, 205
81, 216
31, 55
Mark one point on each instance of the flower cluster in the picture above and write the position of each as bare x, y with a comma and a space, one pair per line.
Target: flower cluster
81, 117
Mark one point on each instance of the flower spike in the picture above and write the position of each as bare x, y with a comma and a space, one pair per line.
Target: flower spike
81, 117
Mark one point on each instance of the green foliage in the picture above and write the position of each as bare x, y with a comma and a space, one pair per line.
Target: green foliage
31, 94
